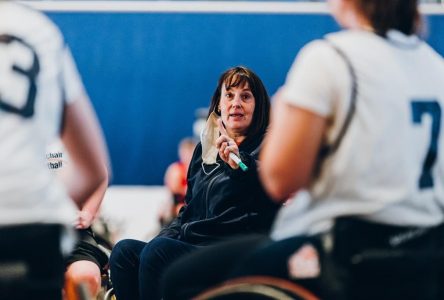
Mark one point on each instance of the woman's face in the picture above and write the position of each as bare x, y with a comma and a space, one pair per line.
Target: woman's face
236, 109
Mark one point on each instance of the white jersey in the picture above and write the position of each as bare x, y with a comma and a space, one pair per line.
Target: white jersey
389, 167
36, 73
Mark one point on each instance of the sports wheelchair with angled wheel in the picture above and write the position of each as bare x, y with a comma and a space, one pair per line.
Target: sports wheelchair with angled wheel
367, 261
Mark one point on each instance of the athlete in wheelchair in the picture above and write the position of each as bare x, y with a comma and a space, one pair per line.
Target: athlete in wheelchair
356, 260
367, 146
41, 98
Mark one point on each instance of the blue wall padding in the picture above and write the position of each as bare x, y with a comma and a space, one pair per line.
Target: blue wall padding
147, 73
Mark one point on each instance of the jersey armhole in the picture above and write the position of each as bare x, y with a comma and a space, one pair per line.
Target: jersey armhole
329, 149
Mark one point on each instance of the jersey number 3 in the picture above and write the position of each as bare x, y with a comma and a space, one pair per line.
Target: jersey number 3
27, 110
419, 108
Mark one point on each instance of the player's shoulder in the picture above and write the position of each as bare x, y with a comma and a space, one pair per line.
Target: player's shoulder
13, 14
14, 9
319, 51
357, 40
339, 39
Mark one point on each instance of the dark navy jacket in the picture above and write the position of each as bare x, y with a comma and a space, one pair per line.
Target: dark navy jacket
222, 202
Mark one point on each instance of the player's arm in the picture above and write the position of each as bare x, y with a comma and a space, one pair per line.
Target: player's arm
90, 209
83, 139
290, 149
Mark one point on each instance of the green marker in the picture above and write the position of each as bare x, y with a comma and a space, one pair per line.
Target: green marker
238, 161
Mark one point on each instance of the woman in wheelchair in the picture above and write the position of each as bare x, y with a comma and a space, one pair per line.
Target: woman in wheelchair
365, 145
222, 200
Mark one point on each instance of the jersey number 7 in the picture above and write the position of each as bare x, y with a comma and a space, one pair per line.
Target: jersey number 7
419, 108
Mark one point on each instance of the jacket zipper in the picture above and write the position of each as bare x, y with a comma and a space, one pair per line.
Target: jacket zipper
208, 193
185, 227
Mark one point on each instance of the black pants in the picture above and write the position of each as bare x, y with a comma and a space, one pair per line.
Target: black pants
31, 263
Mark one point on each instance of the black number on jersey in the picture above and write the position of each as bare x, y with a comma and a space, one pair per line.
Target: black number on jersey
27, 110
419, 108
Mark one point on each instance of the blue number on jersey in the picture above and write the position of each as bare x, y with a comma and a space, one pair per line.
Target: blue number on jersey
419, 108
27, 110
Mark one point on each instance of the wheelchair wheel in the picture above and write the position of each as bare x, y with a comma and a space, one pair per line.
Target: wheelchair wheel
258, 288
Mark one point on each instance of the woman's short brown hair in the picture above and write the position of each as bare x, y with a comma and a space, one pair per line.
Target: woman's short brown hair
238, 76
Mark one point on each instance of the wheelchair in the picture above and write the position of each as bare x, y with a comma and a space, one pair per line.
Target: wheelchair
362, 270
372, 275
